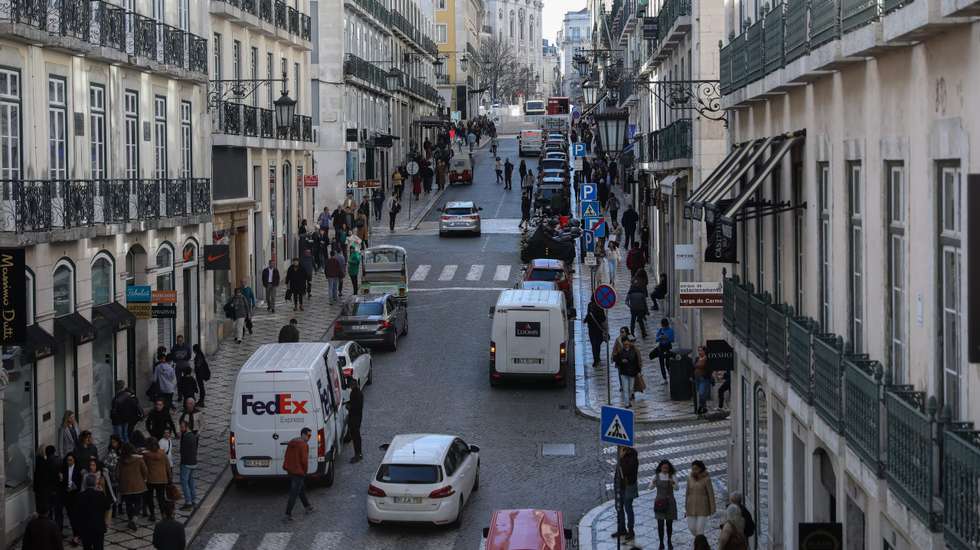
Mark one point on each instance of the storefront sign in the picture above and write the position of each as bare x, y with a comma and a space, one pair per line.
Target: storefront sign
163, 304
350, 135
649, 28
973, 267
364, 184
684, 257
821, 536
13, 296
311, 181
138, 301
722, 238
700, 295
721, 355
217, 257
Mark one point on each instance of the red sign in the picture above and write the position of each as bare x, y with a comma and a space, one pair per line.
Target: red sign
311, 181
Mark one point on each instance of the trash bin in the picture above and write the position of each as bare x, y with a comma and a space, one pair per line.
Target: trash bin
680, 369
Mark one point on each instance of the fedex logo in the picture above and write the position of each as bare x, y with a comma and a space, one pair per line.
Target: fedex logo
280, 404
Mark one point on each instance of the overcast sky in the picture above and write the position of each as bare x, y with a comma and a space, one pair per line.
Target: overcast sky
553, 14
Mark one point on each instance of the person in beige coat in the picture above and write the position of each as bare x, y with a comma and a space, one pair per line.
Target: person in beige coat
132, 481
700, 499
158, 469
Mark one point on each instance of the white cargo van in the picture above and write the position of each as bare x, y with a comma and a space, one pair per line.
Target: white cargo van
281, 389
529, 141
529, 338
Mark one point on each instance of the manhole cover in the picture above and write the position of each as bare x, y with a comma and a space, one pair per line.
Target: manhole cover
558, 449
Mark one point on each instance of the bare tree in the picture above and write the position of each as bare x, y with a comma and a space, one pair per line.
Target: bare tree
498, 68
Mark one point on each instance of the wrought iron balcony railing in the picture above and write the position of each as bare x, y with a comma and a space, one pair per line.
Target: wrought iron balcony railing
265, 10
758, 331
280, 13
144, 36
305, 27
366, 71
911, 455
174, 43
108, 25
306, 128
245, 120
777, 338
801, 333
773, 39
375, 9
828, 353
670, 12
961, 488
250, 120
862, 408
292, 17
197, 54
267, 126
673, 142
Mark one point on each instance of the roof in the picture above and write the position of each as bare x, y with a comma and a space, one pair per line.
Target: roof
526, 529
417, 449
460, 204
546, 263
296, 357
520, 298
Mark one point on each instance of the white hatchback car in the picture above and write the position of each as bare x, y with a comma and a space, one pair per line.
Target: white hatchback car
424, 478
355, 361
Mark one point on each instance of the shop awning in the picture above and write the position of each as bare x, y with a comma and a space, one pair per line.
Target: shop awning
667, 184
693, 209
115, 314
79, 327
432, 122
40, 343
777, 156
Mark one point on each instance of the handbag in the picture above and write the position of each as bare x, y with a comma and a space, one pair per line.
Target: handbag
640, 383
661, 504
173, 493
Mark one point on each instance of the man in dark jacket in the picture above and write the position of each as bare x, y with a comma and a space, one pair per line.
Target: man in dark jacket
355, 413
181, 355
659, 291
295, 462
636, 299
629, 221
159, 420
628, 363
42, 533
270, 280
296, 283
46, 469
596, 321
92, 506
188, 463
335, 274
289, 333
169, 533
625, 483
125, 412
508, 173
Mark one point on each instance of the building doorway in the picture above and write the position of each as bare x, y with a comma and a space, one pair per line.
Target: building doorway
191, 291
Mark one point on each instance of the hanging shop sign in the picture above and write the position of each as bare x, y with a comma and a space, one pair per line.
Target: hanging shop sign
163, 304
700, 295
13, 296
217, 257
351, 135
138, 301
364, 184
684, 257
312, 180
722, 238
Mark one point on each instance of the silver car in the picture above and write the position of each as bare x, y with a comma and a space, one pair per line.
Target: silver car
459, 216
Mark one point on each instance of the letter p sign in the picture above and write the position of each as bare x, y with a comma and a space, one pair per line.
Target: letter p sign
590, 192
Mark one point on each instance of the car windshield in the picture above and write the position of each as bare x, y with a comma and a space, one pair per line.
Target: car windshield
544, 275
408, 473
366, 308
552, 163
458, 211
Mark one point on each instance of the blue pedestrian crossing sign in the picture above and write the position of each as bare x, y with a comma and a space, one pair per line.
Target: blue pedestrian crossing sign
591, 209
616, 426
578, 150
590, 192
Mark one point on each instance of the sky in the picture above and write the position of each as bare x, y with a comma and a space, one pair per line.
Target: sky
552, 15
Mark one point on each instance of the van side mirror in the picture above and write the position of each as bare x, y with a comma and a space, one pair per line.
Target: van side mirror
486, 532
383, 446
568, 534
572, 314
490, 313
474, 449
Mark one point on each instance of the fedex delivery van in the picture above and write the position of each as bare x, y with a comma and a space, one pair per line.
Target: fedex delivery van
280, 390
529, 338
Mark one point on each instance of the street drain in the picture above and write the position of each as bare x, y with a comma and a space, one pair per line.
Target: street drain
558, 449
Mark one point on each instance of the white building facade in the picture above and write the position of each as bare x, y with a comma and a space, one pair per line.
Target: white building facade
575, 33
518, 23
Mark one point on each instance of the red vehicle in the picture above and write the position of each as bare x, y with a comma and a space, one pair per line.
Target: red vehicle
554, 271
527, 529
558, 105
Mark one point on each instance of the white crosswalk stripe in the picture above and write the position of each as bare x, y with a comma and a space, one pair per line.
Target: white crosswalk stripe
421, 272
476, 271
275, 541
323, 540
448, 272
329, 540
222, 541
502, 273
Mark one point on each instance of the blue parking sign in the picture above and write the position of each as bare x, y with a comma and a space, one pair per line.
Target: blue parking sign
590, 192
589, 239
616, 426
578, 150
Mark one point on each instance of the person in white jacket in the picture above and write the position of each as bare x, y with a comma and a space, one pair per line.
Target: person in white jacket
613, 256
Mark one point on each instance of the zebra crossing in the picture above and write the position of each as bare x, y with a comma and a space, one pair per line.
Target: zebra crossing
681, 444
323, 540
472, 273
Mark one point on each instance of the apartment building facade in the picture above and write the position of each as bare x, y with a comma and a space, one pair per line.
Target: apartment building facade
105, 182
459, 24
852, 135
575, 34
518, 24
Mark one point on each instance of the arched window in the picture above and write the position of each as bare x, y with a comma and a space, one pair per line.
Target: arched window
63, 288
102, 280
165, 281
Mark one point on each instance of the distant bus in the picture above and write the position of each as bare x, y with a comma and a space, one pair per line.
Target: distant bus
558, 105
534, 107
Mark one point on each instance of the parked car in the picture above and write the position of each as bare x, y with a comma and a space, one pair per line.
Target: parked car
527, 529
542, 269
459, 216
424, 478
355, 362
372, 319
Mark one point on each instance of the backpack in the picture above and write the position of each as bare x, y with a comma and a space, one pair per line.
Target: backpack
749, 523
229, 310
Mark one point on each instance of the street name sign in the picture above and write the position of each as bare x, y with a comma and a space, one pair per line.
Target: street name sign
590, 259
616, 426
700, 295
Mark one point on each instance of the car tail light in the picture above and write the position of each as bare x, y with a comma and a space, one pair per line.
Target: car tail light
446, 491
232, 454
321, 443
473, 217
337, 326
445, 218
348, 371
493, 351
376, 491
562, 353
384, 324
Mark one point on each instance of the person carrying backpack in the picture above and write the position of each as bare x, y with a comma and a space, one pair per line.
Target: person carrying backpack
636, 299
125, 412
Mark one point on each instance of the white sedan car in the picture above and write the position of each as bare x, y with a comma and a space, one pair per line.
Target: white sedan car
424, 478
355, 361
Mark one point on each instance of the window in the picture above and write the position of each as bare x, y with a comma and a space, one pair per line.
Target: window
799, 237
184, 15
97, 130
10, 144
896, 268
856, 257
777, 238
268, 75
131, 111
253, 72
102, 278
296, 82
442, 34
160, 136
186, 141
823, 173
217, 56
950, 264
236, 60
63, 289
57, 129
165, 281
441, 4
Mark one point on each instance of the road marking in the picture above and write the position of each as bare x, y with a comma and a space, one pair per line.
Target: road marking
275, 541
222, 541
476, 271
496, 288
502, 273
327, 540
448, 272
421, 272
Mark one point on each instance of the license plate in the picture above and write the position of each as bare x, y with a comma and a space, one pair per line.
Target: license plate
526, 361
257, 462
407, 500
365, 327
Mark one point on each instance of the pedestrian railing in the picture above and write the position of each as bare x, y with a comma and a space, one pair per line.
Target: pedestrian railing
863, 410
777, 338
858, 13
824, 22
773, 38
755, 53
758, 334
961, 488
796, 41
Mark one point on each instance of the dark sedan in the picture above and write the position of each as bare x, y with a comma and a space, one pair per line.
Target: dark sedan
372, 319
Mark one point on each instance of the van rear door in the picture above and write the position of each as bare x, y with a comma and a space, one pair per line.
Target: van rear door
256, 441
528, 335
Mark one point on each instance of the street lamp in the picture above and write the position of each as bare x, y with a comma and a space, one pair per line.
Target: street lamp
590, 90
463, 62
393, 79
437, 66
581, 65
285, 109
612, 129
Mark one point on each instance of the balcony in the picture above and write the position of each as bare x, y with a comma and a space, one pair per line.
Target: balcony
368, 74
236, 119
673, 22
103, 31
273, 18
410, 33
673, 143
420, 89
373, 11
624, 21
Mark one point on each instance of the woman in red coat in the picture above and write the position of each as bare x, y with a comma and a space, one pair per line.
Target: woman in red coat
416, 186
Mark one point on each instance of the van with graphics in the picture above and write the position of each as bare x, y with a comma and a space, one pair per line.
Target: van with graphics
281, 389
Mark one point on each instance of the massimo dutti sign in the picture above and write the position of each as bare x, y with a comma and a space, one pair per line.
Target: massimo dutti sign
13, 296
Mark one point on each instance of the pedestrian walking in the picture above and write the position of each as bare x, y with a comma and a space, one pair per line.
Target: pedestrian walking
522, 170
612, 206
92, 507
624, 333
635, 259
69, 488
659, 292
202, 372
42, 533
636, 299
596, 321
353, 267
164, 380
416, 186
394, 207
192, 416
508, 173
239, 312
355, 413
306, 263
69, 433
725, 387
732, 536
700, 499
249, 296
187, 385
169, 533
289, 333
664, 502
188, 463
295, 463
665, 342
125, 411
111, 464
181, 355
702, 380
613, 257
158, 420
270, 280
397, 182
701, 543
295, 284
47, 472
132, 481
335, 275
378, 200
615, 232
627, 469
323, 219
629, 221
499, 169
628, 363
85, 449
158, 476
525, 209
748, 524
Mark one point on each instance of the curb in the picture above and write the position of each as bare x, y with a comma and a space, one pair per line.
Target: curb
586, 525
